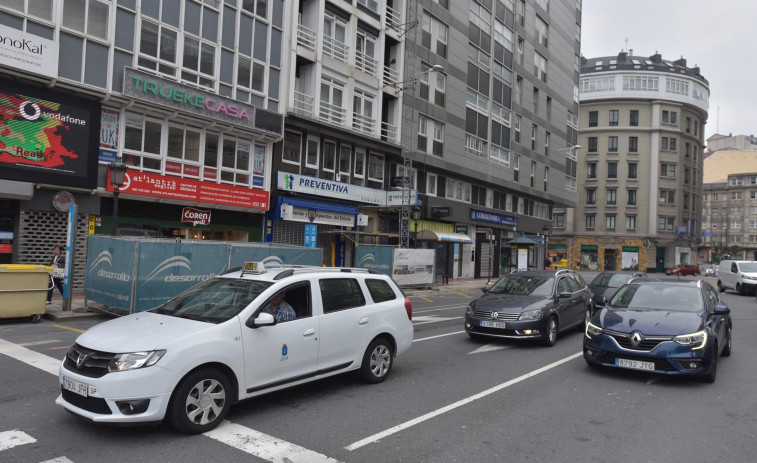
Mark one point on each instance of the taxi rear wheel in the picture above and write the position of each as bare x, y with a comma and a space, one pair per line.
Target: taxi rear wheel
200, 402
377, 361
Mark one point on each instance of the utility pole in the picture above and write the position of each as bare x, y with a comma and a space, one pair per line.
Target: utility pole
408, 120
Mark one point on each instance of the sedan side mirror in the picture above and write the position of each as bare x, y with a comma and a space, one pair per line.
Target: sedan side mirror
264, 319
600, 301
485, 289
564, 294
722, 310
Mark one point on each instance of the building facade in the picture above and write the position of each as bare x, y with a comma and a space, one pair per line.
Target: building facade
640, 165
729, 218
295, 122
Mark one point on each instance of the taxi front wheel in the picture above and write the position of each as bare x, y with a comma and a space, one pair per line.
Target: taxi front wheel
200, 402
377, 361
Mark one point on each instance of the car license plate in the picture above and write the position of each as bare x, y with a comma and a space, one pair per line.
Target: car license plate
634, 364
490, 324
75, 386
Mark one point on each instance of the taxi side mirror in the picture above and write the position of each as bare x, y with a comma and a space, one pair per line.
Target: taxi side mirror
263, 319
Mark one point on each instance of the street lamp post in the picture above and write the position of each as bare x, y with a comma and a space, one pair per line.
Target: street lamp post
117, 171
545, 231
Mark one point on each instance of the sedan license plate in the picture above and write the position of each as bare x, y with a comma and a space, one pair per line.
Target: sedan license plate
634, 364
490, 324
75, 386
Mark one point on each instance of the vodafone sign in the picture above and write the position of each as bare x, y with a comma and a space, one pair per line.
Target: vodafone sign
196, 216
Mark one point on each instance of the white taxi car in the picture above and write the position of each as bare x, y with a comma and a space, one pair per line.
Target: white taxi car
223, 340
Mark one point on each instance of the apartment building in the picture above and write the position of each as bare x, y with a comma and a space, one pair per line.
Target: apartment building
639, 165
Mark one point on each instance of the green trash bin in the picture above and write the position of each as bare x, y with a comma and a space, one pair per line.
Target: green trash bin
23, 290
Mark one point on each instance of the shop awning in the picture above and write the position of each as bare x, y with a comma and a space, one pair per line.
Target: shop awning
430, 235
523, 240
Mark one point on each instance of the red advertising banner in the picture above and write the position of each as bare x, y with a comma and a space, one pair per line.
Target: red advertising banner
187, 189
6, 248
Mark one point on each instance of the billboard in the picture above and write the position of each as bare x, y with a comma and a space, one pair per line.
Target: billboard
47, 137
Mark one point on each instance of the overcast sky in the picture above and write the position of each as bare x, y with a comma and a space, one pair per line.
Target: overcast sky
719, 36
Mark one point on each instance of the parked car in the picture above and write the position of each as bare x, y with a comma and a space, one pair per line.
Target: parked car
711, 271
661, 326
188, 360
685, 269
530, 304
606, 284
738, 275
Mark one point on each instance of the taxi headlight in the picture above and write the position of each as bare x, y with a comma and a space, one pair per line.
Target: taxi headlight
134, 360
697, 340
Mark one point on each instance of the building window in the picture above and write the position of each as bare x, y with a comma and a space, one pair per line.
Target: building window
329, 158
521, 47
688, 125
458, 190
612, 196
435, 128
345, 159
431, 182
571, 169
540, 67
365, 52
631, 222
157, 48
665, 223
610, 222
667, 170
198, 62
335, 37
593, 118
534, 129
89, 17
612, 144
332, 100
363, 116
311, 156
516, 128
591, 170
633, 144
542, 31
591, 196
592, 145
434, 36
359, 166
143, 138
631, 197
590, 219
634, 118
559, 220
433, 93
612, 170
614, 117
516, 167
632, 170
376, 168
667, 196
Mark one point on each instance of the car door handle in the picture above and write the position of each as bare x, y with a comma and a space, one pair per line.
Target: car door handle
309, 332
363, 321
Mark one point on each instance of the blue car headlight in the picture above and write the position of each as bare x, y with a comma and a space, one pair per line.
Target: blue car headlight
531, 315
593, 330
697, 340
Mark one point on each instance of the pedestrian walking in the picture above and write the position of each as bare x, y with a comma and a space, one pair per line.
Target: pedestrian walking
57, 261
547, 264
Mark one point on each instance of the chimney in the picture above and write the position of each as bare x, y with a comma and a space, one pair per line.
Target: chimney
656, 58
681, 62
630, 52
622, 57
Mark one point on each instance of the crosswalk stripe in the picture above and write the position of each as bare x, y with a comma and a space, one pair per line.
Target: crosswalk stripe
10, 439
34, 343
28, 356
264, 446
58, 460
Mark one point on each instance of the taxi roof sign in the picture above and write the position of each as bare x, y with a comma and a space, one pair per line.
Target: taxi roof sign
253, 267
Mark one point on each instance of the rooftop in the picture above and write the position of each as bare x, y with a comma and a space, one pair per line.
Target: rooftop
628, 62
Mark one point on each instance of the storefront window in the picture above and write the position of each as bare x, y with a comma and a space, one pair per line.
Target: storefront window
589, 258
630, 258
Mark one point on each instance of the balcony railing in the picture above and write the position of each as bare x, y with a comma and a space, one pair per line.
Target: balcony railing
335, 49
306, 37
389, 132
303, 104
365, 63
363, 123
332, 113
391, 77
393, 18
475, 145
370, 4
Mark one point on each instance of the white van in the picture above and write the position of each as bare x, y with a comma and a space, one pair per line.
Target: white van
738, 275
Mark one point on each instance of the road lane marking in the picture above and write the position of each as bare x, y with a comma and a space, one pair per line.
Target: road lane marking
465, 295
264, 446
459, 403
438, 336
424, 298
34, 343
69, 328
58, 460
28, 356
439, 309
10, 439
238, 436
426, 320
489, 348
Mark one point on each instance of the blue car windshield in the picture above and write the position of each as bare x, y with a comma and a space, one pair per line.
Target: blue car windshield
658, 297
524, 285
215, 300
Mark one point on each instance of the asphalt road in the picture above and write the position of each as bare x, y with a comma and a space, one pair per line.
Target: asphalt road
448, 399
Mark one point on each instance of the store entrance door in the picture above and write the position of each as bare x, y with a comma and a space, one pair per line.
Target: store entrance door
610, 258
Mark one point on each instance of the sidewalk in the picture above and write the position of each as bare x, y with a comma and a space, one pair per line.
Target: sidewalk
79, 310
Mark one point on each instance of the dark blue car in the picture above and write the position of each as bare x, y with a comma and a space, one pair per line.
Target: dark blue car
661, 326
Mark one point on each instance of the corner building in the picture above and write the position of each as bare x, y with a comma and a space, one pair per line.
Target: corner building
639, 166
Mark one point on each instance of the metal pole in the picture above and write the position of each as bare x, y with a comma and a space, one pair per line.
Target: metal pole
114, 228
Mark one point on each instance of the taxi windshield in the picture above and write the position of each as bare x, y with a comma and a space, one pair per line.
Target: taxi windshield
215, 300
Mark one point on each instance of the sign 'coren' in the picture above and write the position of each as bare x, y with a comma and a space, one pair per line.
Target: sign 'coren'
196, 216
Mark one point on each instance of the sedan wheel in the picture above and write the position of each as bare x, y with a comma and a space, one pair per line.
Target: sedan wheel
550, 336
720, 287
739, 289
712, 375
377, 361
200, 402
728, 343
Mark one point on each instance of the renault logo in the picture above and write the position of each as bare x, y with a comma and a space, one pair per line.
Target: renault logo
495, 314
636, 339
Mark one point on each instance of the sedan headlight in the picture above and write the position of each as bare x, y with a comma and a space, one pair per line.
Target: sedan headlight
134, 360
593, 330
698, 340
469, 310
531, 315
